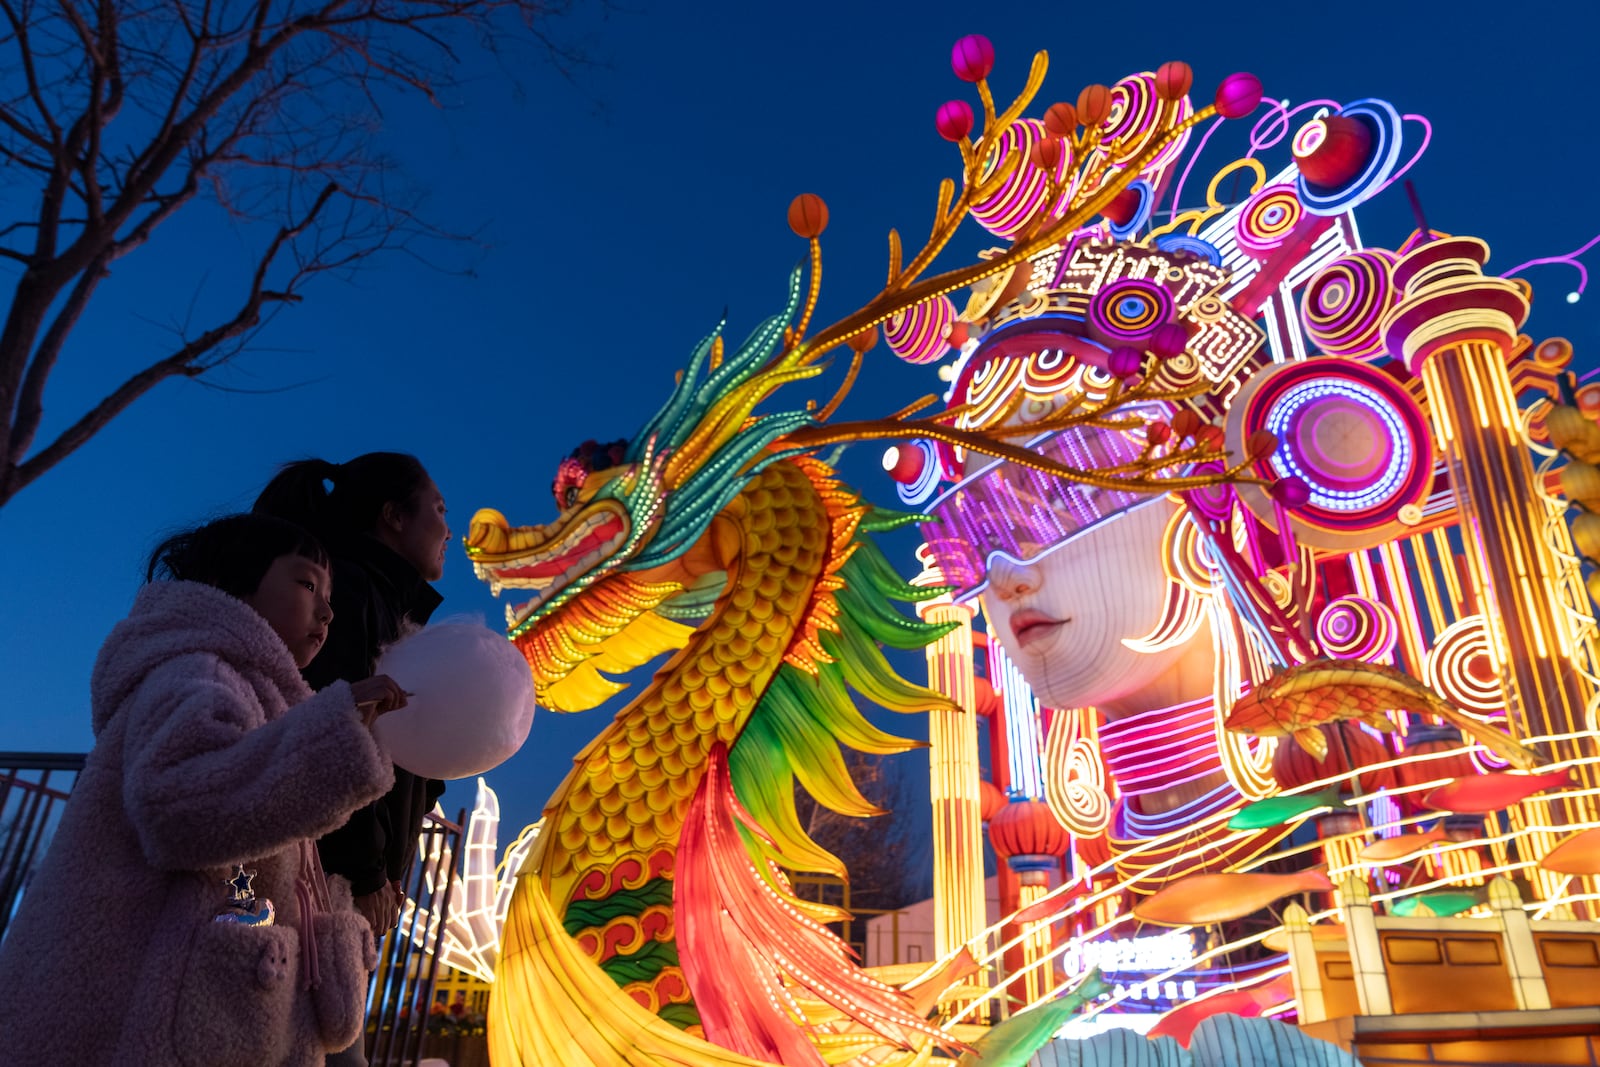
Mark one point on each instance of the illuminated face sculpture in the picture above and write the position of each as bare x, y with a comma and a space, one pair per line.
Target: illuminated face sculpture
1069, 618
1071, 578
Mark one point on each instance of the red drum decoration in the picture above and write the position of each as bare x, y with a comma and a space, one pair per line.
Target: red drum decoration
954, 119
808, 215
972, 58
1345, 303
1238, 95
1173, 80
1267, 220
1333, 149
918, 334
1350, 747
1021, 196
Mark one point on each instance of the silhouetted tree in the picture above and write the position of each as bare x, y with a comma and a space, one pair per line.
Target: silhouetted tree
117, 115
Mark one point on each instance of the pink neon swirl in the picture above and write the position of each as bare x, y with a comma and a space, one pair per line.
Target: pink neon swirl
1177, 190
1427, 138
1259, 142
1570, 259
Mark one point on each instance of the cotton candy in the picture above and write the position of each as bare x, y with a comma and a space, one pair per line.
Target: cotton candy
471, 703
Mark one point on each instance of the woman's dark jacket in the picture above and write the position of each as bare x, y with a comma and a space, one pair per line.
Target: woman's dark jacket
377, 597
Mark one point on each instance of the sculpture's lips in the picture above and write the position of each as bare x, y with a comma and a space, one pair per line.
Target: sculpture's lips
1030, 627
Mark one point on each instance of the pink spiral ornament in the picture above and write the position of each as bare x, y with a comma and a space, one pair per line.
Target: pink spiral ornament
919, 333
1267, 220
1353, 627
1345, 303
1006, 210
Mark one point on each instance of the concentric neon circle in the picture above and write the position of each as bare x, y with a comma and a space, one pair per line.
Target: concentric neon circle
1356, 438
1020, 196
1353, 627
1383, 122
1345, 303
1460, 668
1127, 312
1267, 220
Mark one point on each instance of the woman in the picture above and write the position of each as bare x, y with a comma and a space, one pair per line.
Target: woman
213, 768
383, 520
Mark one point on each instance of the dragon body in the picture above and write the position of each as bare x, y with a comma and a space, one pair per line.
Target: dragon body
654, 923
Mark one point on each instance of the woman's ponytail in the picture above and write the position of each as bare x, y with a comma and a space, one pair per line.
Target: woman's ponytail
336, 500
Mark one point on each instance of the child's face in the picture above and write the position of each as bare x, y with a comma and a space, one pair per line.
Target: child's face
293, 598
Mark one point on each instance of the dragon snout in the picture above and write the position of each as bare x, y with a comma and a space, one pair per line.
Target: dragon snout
489, 531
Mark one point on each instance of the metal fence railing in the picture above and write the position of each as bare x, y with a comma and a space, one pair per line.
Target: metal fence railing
34, 787
401, 996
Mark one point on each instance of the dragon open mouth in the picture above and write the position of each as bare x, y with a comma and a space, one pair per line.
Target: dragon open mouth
546, 559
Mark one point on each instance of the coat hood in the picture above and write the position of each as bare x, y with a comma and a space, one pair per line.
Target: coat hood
172, 619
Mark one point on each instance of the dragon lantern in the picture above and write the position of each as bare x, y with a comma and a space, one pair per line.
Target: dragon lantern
1113, 373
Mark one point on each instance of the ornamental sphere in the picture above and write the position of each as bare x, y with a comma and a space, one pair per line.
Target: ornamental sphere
1173, 80
1125, 362
1238, 95
1291, 492
954, 119
1094, 104
1046, 153
972, 58
1261, 444
1170, 339
808, 216
1061, 119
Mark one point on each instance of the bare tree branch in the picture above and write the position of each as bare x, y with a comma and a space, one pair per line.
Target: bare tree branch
123, 113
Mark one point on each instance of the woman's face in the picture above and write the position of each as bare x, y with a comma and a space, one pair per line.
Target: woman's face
293, 597
422, 536
1063, 618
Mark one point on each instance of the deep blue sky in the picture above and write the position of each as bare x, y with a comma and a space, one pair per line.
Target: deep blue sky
623, 213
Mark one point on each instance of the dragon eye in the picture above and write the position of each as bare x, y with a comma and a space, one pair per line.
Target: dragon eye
569, 497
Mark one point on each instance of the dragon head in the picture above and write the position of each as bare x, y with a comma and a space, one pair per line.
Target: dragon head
633, 557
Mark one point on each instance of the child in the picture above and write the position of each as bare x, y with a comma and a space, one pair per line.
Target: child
147, 936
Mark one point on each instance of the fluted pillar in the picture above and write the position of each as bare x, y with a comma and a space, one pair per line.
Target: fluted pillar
1455, 327
958, 898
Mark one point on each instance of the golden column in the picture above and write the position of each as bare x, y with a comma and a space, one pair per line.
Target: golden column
958, 897
1455, 328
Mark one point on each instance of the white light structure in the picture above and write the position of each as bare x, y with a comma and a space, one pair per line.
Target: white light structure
481, 895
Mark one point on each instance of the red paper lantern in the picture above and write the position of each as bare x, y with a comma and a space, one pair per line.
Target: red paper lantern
1061, 119
954, 119
1350, 747
863, 342
1094, 104
1028, 837
1173, 80
1424, 740
808, 215
1238, 95
991, 801
972, 58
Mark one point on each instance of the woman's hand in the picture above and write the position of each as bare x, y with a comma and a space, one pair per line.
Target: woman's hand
378, 695
380, 909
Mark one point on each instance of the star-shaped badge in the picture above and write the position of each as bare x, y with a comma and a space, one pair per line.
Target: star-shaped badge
240, 891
